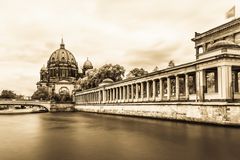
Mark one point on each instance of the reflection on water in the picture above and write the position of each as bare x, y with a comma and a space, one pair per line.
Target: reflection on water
70, 136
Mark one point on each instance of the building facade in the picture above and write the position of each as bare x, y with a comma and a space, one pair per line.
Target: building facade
213, 77
62, 72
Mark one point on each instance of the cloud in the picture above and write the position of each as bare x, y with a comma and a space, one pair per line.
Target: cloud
156, 55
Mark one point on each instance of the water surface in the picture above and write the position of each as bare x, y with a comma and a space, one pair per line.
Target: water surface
75, 136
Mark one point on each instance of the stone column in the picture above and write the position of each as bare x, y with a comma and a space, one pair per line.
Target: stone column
186, 87
160, 89
177, 87
104, 96
200, 77
141, 91
127, 93
136, 91
168, 88
117, 95
227, 83
120, 93
148, 89
114, 94
110, 94
99, 96
154, 90
132, 92
124, 94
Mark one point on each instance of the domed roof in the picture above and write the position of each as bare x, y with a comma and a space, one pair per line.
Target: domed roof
62, 55
222, 43
87, 64
107, 80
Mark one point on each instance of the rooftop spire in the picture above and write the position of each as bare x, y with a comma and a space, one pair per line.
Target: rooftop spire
62, 45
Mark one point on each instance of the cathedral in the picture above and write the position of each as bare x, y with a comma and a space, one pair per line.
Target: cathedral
62, 72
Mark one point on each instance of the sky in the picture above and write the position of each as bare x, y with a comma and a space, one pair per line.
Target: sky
132, 33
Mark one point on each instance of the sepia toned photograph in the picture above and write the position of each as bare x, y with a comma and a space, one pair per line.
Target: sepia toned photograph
119, 80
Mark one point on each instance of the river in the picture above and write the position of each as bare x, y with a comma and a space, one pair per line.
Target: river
85, 136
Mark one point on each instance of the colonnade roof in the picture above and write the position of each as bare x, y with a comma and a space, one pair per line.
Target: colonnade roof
216, 29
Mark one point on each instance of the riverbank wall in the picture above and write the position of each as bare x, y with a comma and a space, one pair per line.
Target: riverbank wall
62, 107
219, 113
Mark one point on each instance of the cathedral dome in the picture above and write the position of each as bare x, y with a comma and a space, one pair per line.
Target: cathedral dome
62, 55
222, 43
62, 65
87, 65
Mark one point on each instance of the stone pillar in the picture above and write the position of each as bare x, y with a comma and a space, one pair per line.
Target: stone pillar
200, 77
109, 95
141, 91
99, 96
132, 92
148, 89
227, 83
120, 93
110, 92
136, 91
168, 88
114, 94
124, 93
117, 94
177, 87
186, 87
104, 96
127, 93
160, 89
154, 90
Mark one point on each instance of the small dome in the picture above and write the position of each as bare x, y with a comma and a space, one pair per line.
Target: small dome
107, 80
87, 65
222, 43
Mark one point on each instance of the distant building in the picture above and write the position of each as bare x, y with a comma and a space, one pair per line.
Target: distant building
62, 72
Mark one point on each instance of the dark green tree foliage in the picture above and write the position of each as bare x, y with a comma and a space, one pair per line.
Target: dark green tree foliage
96, 76
8, 94
137, 72
41, 94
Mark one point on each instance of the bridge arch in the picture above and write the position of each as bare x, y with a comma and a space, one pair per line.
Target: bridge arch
45, 104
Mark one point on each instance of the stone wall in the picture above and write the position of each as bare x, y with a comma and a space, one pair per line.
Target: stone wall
214, 113
62, 107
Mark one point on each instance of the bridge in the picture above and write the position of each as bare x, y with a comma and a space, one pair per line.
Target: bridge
45, 104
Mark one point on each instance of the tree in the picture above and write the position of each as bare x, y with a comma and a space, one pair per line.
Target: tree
8, 94
96, 76
136, 72
41, 94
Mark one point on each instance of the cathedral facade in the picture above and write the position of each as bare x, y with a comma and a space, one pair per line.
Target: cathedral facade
62, 72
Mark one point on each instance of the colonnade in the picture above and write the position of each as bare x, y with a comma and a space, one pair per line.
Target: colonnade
219, 83
156, 89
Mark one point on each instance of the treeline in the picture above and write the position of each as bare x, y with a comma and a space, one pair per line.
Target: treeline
115, 72
9, 94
